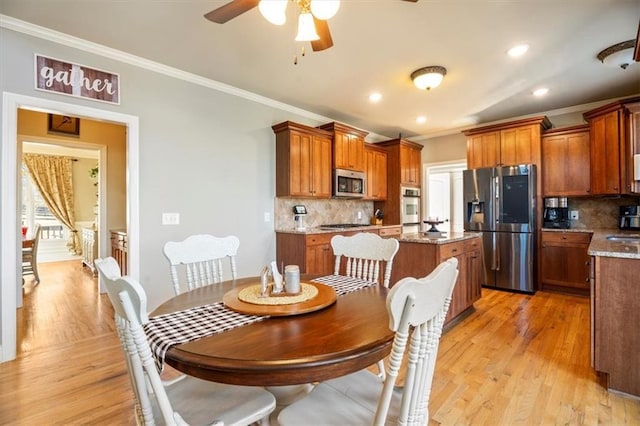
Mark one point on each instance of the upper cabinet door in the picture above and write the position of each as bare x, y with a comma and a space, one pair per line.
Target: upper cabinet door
483, 150
348, 146
605, 154
303, 161
566, 162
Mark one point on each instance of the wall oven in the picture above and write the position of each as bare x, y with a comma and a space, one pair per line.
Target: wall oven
348, 183
410, 206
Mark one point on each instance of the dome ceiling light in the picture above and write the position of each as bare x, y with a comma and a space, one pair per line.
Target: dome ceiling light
618, 55
428, 77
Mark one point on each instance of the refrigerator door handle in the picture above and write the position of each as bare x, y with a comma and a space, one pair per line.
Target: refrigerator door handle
495, 252
496, 199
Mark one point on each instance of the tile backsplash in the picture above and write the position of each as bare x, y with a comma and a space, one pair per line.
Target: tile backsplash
599, 213
322, 212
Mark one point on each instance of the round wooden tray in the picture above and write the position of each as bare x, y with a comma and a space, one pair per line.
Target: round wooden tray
326, 296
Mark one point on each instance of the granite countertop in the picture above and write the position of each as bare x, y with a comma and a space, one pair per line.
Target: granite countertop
320, 230
600, 246
568, 230
449, 237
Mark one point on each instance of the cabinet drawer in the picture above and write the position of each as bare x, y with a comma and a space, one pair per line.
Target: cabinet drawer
472, 244
318, 239
390, 232
451, 249
566, 237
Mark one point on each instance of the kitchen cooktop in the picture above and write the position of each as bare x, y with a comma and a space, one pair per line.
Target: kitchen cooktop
343, 225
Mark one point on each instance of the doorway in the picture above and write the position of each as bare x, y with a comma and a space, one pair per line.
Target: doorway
443, 200
54, 235
10, 280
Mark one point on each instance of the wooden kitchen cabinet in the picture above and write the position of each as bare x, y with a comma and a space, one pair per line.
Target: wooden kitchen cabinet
303, 161
376, 172
348, 146
404, 168
483, 150
605, 153
311, 252
410, 165
613, 139
566, 162
418, 259
615, 315
564, 261
506, 144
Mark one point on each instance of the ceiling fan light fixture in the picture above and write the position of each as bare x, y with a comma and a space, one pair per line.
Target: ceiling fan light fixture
273, 11
428, 77
306, 28
325, 9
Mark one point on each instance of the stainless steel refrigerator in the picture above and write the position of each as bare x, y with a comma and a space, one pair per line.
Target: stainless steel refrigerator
499, 202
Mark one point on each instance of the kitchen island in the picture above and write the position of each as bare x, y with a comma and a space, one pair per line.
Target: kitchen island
615, 310
419, 254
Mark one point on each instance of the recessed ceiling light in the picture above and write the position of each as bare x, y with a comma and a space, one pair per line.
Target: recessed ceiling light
518, 50
541, 91
375, 97
421, 119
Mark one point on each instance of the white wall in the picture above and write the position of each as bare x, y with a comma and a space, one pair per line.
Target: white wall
205, 154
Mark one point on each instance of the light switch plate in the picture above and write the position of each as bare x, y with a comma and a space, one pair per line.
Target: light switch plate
267, 217
573, 215
170, 218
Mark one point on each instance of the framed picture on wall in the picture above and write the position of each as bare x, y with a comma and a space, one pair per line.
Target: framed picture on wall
64, 124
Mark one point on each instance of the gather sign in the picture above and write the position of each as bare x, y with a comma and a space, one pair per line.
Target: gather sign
54, 75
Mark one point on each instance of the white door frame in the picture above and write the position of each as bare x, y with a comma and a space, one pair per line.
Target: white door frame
9, 223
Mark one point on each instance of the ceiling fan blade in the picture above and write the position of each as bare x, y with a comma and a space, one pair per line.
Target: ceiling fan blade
231, 10
325, 41
412, 1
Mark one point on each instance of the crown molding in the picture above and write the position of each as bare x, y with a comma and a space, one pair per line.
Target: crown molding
44, 33
551, 113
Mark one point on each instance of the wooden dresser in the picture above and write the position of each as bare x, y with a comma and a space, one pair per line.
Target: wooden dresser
119, 248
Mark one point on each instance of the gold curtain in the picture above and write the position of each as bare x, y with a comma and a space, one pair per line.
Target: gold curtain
52, 175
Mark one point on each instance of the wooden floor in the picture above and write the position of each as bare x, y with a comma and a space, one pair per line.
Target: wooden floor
517, 360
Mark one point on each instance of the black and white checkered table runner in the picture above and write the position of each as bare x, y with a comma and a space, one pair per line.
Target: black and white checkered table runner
164, 331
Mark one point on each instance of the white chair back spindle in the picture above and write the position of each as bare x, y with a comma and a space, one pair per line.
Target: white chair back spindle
363, 255
155, 399
201, 259
417, 309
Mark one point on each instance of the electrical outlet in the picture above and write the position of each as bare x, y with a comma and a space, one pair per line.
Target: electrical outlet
573, 215
170, 218
267, 217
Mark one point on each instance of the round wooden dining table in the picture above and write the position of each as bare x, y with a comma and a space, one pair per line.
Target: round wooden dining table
349, 335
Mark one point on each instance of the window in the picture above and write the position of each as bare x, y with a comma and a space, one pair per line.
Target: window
35, 210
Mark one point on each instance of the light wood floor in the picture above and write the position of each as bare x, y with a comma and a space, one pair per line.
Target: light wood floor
517, 360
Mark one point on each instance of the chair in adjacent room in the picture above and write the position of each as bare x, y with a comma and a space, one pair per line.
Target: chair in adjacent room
417, 309
363, 256
199, 260
189, 399
30, 256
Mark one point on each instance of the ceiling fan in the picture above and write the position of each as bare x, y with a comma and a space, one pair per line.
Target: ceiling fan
312, 20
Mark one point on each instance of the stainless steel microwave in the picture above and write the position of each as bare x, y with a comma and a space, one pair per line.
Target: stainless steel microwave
348, 183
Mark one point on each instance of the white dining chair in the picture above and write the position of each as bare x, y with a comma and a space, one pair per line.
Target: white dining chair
363, 255
186, 401
417, 309
198, 260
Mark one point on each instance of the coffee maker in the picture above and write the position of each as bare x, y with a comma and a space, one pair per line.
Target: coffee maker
556, 213
629, 218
